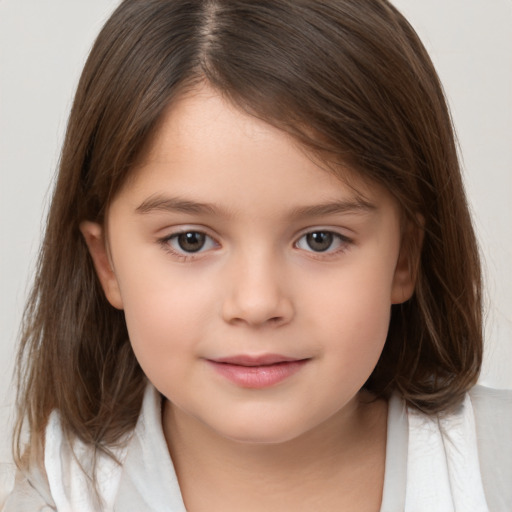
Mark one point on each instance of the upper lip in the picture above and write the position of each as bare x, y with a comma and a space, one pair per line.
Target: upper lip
261, 360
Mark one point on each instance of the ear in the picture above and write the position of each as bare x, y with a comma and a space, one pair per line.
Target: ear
406, 271
94, 237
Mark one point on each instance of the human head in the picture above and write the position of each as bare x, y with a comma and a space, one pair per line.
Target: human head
350, 81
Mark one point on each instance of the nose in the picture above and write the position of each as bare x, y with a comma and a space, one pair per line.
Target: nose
256, 293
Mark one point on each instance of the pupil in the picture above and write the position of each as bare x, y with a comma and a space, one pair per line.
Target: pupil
320, 241
191, 242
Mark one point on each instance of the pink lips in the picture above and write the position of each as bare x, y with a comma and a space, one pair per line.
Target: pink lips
257, 372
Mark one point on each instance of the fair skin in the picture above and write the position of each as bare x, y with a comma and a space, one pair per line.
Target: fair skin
257, 290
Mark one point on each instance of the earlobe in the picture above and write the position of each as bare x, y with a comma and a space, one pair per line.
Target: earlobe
94, 237
406, 271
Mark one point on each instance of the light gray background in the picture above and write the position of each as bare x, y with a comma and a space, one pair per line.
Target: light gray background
43, 46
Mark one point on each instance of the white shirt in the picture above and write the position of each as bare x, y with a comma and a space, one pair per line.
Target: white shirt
461, 462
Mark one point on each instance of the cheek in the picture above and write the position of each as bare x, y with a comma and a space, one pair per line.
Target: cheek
357, 336
358, 330
166, 314
353, 312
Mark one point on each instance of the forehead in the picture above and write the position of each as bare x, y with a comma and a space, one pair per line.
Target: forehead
206, 146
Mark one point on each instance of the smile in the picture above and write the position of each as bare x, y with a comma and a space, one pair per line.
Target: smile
257, 372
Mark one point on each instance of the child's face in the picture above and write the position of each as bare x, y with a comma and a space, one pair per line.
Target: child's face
256, 286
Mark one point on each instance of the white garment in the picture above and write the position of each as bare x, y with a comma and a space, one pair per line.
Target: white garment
443, 469
67, 479
432, 464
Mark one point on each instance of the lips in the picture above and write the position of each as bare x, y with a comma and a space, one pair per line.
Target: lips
257, 372
263, 360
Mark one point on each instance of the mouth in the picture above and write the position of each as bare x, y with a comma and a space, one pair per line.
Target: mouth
257, 372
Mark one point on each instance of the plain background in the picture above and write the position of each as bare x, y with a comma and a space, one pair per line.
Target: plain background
43, 46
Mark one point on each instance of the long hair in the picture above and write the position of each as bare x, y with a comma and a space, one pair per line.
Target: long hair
351, 81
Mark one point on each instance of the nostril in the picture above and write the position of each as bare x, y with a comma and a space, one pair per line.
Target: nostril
256, 298
235, 313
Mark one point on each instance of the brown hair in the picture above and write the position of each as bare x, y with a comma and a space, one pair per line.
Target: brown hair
351, 81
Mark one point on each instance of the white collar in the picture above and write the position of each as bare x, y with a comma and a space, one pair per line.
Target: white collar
436, 469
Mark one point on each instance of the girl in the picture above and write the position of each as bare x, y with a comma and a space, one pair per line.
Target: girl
259, 287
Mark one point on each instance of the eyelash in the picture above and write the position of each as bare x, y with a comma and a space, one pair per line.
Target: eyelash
343, 242
185, 256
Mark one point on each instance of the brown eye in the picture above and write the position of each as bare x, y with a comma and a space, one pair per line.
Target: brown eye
328, 242
188, 245
191, 241
319, 241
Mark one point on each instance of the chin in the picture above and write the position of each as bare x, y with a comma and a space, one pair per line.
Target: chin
258, 439
261, 433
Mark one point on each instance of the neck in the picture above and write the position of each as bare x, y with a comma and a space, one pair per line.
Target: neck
336, 461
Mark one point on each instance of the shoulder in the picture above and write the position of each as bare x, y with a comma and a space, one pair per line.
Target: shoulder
493, 423
493, 402
80, 475
31, 493
493, 415
73, 476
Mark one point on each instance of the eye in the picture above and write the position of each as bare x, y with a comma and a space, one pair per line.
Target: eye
321, 241
190, 242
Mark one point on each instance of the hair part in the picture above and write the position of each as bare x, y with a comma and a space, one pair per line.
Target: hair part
351, 81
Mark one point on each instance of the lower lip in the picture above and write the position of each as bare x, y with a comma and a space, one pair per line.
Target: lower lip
258, 377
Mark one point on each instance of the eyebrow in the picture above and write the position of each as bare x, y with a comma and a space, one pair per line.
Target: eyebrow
177, 204
356, 205
174, 204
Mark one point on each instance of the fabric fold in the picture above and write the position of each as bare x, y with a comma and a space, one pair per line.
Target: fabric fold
443, 470
432, 460
67, 469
